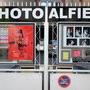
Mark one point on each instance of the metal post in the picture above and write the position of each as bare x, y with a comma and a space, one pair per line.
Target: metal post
46, 49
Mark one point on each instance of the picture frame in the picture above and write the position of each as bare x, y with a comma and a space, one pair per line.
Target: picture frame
65, 55
75, 53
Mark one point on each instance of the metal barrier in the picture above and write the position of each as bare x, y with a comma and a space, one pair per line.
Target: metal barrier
21, 79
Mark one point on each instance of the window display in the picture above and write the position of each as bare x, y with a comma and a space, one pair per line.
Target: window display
74, 45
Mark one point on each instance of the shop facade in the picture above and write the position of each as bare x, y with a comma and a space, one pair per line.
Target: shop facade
46, 43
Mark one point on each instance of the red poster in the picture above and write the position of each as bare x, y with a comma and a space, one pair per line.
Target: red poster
76, 53
21, 42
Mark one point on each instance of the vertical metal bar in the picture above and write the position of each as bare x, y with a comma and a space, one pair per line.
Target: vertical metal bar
88, 4
64, 2
71, 4
30, 4
57, 59
67, 4
46, 48
1, 4
9, 3
49, 3
13, 3
80, 4
17, 3
84, 3
39, 43
26, 4
4, 3
81, 1
51, 42
22, 3
35, 43
54, 3
60, 41
34, 3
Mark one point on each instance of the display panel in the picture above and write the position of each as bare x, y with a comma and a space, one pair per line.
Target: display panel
21, 42
65, 56
76, 36
16, 42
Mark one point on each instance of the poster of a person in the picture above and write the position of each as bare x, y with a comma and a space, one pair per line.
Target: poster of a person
78, 31
69, 32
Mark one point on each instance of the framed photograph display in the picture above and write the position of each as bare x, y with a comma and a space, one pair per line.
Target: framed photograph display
76, 36
74, 42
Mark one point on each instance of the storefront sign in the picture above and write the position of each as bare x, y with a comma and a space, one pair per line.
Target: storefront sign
37, 14
22, 14
68, 14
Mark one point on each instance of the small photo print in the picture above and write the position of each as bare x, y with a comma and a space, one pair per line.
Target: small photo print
84, 42
71, 42
87, 53
65, 55
76, 53
78, 31
69, 32
86, 31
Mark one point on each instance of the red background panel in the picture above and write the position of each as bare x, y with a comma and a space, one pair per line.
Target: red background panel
21, 42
